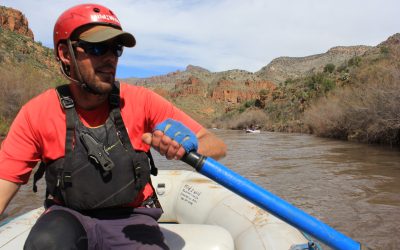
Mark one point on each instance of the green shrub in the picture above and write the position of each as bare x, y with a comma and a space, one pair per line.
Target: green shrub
289, 81
264, 92
342, 68
249, 103
384, 50
329, 68
355, 61
327, 85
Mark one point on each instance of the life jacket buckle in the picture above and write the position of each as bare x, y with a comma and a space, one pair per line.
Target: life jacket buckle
97, 152
67, 102
64, 179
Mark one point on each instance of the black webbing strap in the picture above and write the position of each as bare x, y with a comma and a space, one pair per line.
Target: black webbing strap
65, 97
114, 100
153, 170
67, 103
38, 175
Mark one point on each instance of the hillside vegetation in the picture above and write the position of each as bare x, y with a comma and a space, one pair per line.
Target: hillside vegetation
367, 109
26, 69
357, 100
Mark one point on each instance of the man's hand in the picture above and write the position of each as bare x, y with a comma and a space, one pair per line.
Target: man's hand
172, 139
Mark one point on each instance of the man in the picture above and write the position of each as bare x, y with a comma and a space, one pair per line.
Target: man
92, 136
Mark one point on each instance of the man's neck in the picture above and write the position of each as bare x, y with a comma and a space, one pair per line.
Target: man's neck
86, 100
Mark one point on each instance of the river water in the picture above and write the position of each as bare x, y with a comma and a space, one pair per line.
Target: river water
354, 188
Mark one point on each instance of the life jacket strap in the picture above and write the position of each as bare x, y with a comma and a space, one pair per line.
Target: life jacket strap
65, 97
119, 124
38, 175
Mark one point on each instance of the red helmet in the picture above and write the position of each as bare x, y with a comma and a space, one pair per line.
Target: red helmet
80, 15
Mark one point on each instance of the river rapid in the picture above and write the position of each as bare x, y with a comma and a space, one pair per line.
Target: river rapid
354, 188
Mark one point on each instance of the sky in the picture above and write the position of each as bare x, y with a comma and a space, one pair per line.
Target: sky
221, 35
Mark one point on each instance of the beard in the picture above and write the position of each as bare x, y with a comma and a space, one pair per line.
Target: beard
100, 81
101, 84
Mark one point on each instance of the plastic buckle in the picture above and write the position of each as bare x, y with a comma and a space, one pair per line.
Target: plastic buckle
306, 246
67, 102
66, 179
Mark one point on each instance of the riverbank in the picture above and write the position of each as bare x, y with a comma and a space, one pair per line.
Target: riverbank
315, 124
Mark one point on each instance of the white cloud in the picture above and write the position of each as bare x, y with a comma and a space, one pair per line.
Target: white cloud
226, 34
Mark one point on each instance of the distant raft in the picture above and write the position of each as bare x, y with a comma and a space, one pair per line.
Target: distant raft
253, 131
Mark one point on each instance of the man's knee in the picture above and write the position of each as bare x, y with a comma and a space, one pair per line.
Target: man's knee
57, 230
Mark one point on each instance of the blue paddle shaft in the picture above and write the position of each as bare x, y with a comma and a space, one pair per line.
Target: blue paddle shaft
270, 202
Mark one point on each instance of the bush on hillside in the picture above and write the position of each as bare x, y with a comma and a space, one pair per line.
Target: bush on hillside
320, 83
252, 116
355, 61
19, 84
384, 50
329, 68
367, 112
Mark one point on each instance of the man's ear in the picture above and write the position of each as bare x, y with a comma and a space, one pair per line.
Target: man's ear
63, 54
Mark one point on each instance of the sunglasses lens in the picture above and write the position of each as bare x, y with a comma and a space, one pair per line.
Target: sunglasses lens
99, 49
118, 49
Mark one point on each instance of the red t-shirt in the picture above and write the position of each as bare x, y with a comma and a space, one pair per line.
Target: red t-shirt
38, 132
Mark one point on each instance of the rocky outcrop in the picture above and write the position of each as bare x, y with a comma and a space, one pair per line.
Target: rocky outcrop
169, 80
283, 68
393, 44
232, 93
14, 20
232, 86
18, 48
391, 41
192, 86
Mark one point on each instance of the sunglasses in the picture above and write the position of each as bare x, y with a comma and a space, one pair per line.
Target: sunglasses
99, 49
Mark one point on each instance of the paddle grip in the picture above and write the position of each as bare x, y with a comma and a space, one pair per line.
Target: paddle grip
194, 159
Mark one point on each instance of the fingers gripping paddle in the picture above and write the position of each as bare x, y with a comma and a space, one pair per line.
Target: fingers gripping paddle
269, 202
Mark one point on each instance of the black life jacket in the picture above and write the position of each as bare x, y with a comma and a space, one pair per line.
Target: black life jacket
100, 168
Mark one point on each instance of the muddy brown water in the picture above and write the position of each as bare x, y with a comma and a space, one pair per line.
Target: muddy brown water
352, 187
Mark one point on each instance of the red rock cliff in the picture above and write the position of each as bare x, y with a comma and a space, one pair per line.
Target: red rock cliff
14, 20
192, 86
231, 92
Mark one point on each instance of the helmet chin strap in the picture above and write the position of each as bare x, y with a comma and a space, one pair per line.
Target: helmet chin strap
80, 80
